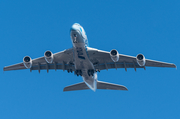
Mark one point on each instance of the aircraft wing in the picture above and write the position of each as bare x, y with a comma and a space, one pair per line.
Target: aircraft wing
102, 60
62, 60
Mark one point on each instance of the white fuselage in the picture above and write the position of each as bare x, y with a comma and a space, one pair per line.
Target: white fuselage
81, 58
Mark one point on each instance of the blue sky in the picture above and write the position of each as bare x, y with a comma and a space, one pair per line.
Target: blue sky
131, 27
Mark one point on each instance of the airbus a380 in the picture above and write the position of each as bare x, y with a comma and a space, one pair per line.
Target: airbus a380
86, 61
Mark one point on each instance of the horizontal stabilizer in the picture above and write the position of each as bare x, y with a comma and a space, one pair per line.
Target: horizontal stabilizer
100, 85
78, 86
110, 86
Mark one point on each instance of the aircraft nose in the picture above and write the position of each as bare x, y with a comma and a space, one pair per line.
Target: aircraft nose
75, 26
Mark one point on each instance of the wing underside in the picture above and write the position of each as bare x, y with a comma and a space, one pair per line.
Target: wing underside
62, 60
102, 60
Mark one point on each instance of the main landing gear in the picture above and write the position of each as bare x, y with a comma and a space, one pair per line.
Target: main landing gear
90, 72
69, 70
78, 72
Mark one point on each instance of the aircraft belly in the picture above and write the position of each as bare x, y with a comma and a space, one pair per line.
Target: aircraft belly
81, 58
83, 63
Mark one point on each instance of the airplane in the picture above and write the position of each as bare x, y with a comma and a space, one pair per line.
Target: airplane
86, 61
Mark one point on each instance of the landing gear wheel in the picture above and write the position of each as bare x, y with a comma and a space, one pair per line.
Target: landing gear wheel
91, 72
78, 72
88, 72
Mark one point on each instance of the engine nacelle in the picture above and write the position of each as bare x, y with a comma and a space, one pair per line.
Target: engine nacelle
140, 59
48, 56
114, 55
27, 62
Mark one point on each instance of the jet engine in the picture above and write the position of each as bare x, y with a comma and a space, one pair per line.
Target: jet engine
114, 55
27, 62
140, 59
48, 56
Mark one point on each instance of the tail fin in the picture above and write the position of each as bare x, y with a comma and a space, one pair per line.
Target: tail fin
109, 86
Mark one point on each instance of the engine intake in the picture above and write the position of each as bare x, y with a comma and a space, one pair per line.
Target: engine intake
48, 56
140, 59
27, 62
114, 55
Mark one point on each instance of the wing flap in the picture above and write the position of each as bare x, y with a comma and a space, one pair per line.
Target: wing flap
113, 65
53, 66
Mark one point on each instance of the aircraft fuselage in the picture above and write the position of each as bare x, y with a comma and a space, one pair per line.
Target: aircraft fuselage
83, 65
